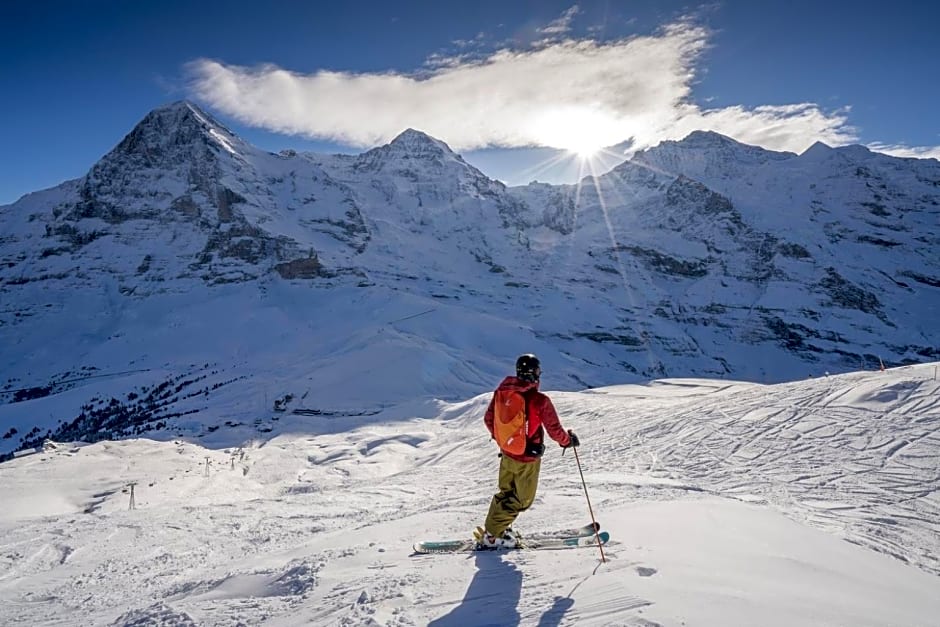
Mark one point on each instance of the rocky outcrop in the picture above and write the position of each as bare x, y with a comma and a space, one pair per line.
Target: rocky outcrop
309, 268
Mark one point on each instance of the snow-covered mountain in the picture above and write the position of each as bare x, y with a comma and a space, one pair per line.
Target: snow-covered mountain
189, 270
813, 502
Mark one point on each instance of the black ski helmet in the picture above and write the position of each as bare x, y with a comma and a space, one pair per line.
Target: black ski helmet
528, 368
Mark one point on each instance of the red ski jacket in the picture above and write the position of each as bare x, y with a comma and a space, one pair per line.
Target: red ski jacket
538, 409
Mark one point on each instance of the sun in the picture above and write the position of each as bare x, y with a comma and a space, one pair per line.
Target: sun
585, 151
579, 130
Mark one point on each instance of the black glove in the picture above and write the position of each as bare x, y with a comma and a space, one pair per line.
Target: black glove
535, 449
574, 441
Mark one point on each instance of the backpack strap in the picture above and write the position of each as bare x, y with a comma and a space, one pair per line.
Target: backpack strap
525, 416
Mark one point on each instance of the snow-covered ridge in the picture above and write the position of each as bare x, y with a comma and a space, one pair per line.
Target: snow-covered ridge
187, 257
707, 150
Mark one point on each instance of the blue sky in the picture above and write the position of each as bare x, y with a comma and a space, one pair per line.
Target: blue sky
513, 86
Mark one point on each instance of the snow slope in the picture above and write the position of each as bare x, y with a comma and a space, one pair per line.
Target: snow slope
814, 502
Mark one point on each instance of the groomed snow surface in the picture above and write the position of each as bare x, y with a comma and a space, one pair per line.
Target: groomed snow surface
808, 503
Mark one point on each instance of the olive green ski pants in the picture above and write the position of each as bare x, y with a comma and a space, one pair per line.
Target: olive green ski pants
518, 482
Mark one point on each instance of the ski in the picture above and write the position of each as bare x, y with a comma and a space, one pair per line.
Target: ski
445, 546
565, 543
528, 544
587, 530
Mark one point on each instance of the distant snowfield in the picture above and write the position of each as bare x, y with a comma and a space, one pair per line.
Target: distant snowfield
813, 502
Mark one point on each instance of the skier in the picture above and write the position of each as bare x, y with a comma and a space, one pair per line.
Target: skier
520, 462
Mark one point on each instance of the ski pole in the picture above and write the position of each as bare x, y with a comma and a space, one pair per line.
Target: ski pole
590, 509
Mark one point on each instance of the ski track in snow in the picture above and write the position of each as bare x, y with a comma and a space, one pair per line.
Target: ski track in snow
317, 529
884, 492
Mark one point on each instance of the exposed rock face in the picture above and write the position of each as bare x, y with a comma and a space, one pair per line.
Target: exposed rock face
309, 268
179, 145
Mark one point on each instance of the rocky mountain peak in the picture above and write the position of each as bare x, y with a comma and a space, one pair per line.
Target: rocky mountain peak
417, 143
413, 151
177, 126
818, 147
174, 151
856, 151
708, 139
704, 154
725, 147
409, 145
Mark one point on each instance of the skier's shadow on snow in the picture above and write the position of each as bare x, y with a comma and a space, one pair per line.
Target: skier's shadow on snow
492, 599
552, 617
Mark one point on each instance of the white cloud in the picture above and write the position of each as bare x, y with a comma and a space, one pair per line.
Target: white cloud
562, 24
918, 152
638, 88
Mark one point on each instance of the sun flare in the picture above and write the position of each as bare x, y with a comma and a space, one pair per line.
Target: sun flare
586, 151
579, 130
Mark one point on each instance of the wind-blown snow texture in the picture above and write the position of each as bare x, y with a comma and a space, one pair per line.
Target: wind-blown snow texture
191, 280
728, 504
